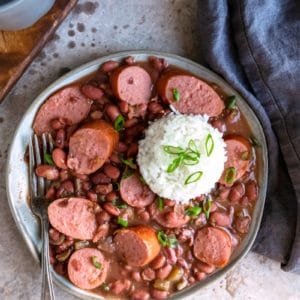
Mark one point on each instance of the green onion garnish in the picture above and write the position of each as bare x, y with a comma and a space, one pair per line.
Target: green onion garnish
129, 163
245, 155
174, 164
193, 147
122, 222
176, 94
231, 103
173, 150
209, 144
127, 173
207, 206
119, 122
48, 159
193, 177
160, 203
166, 241
119, 204
96, 264
255, 142
193, 211
230, 174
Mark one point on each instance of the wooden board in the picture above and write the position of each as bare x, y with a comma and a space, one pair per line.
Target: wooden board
18, 48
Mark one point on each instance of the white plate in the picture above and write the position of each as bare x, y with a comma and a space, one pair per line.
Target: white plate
17, 173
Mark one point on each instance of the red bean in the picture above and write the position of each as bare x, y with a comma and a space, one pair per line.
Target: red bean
140, 295
100, 178
155, 108
109, 66
54, 235
111, 171
64, 175
52, 256
201, 220
158, 262
102, 217
178, 251
157, 294
183, 263
111, 209
65, 245
169, 202
132, 150
242, 224
200, 276
220, 125
144, 216
134, 131
60, 158
224, 193
102, 232
112, 111
170, 255
148, 274
60, 269
129, 60
136, 276
122, 147
86, 186
60, 138
104, 189
50, 194
158, 63
91, 91
112, 196
92, 196
48, 172
58, 123
251, 190
203, 267
219, 219
124, 107
131, 122
65, 189
237, 192
163, 273
115, 158
96, 115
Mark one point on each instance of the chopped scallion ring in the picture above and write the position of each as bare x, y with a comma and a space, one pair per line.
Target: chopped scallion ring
129, 163
122, 222
119, 123
193, 211
209, 144
48, 159
173, 150
176, 94
96, 264
207, 206
230, 175
167, 241
160, 203
231, 104
193, 177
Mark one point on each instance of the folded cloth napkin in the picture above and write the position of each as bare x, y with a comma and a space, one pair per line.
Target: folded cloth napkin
255, 46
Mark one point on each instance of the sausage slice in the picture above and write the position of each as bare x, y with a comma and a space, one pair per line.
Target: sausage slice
131, 84
170, 216
90, 146
74, 217
137, 246
212, 246
238, 157
194, 96
134, 192
68, 103
82, 271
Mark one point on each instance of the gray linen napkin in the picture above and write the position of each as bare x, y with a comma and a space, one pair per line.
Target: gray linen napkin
255, 46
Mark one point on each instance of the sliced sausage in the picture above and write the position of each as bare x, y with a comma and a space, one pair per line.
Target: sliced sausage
131, 84
238, 154
90, 146
82, 271
68, 104
212, 246
137, 246
194, 96
74, 217
170, 216
134, 192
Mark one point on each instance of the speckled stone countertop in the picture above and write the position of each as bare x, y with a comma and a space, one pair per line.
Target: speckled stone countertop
93, 29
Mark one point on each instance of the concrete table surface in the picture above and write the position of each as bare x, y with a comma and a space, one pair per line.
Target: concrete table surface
93, 29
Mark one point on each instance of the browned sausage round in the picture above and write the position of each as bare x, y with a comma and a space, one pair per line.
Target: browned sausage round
194, 96
74, 217
90, 146
131, 84
238, 157
212, 246
134, 192
68, 104
87, 268
137, 246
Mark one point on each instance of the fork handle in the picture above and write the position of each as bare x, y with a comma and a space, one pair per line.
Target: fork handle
47, 284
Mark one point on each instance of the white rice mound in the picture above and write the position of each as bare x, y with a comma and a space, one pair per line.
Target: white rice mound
178, 130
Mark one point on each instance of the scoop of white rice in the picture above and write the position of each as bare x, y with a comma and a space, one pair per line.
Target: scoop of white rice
178, 130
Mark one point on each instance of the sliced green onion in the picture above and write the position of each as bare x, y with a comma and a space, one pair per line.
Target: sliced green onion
255, 142
206, 207
193, 147
129, 162
96, 264
127, 173
231, 103
176, 94
193, 211
230, 174
174, 164
160, 203
193, 177
172, 242
173, 150
162, 238
245, 155
119, 204
191, 155
48, 159
119, 123
209, 144
122, 222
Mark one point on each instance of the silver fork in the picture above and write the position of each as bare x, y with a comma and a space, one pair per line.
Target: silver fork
38, 187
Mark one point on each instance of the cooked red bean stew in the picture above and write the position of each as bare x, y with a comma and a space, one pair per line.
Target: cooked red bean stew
108, 231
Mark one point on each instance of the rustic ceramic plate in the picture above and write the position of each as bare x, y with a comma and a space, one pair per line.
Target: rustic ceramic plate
17, 173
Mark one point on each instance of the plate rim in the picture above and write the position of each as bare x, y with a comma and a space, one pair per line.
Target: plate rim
60, 280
